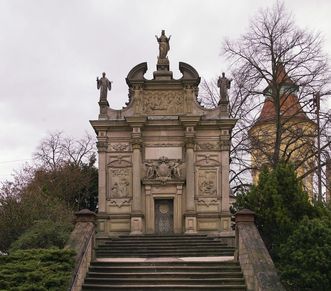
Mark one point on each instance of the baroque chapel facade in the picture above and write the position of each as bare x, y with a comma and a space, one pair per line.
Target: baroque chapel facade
163, 159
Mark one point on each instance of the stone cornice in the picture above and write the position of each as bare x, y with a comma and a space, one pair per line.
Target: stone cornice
190, 120
136, 121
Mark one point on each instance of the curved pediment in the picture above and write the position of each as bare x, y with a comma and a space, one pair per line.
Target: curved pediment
189, 73
137, 73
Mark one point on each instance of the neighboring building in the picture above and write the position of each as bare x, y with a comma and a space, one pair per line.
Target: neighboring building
163, 159
298, 132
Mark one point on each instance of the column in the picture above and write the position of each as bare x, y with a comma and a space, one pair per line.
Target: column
136, 212
190, 214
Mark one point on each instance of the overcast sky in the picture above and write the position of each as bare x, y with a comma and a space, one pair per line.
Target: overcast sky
52, 51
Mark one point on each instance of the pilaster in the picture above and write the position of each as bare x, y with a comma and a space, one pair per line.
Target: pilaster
102, 146
190, 212
225, 207
137, 224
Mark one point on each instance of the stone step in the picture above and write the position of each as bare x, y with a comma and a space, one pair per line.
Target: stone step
142, 247
220, 268
172, 242
160, 281
165, 287
100, 254
163, 240
165, 273
111, 267
157, 236
165, 263
165, 268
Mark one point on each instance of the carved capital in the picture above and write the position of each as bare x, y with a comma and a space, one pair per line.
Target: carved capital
189, 142
225, 145
224, 141
102, 146
136, 142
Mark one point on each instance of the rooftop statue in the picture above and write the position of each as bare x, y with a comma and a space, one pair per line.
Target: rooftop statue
104, 85
224, 84
164, 46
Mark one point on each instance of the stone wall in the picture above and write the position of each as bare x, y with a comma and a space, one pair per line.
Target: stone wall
82, 242
258, 268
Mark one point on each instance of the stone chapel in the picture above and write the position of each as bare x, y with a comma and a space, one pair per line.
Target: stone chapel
163, 159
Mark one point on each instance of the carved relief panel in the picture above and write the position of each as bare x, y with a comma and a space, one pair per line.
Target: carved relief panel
120, 182
207, 182
160, 102
119, 177
207, 170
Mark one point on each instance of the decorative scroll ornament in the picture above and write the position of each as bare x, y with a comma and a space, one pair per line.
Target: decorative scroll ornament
119, 147
120, 202
208, 146
208, 201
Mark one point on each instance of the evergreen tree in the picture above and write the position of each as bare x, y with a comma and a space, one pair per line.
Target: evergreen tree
279, 203
305, 258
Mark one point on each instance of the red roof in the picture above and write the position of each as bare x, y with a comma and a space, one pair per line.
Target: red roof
290, 106
289, 102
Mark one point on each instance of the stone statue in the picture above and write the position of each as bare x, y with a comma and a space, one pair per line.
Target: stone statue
224, 84
175, 169
104, 85
164, 46
150, 171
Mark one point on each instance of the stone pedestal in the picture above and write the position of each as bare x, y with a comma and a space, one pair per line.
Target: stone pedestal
190, 223
104, 105
136, 224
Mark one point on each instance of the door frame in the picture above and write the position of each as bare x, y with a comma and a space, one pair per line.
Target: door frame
173, 192
171, 200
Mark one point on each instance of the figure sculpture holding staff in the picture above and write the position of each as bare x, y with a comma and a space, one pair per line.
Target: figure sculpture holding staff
164, 46
104, 85
224, 84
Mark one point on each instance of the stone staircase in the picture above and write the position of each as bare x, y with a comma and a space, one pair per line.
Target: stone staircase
176, 262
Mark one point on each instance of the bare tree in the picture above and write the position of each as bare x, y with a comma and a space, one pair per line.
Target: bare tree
56, 150
275, 60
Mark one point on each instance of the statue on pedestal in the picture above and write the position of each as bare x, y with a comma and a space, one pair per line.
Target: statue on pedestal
104, 85
224, 84
164, 46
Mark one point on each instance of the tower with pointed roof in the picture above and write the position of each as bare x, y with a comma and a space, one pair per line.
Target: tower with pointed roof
297, 130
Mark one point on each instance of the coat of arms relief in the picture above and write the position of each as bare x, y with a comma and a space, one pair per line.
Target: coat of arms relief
163, 169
